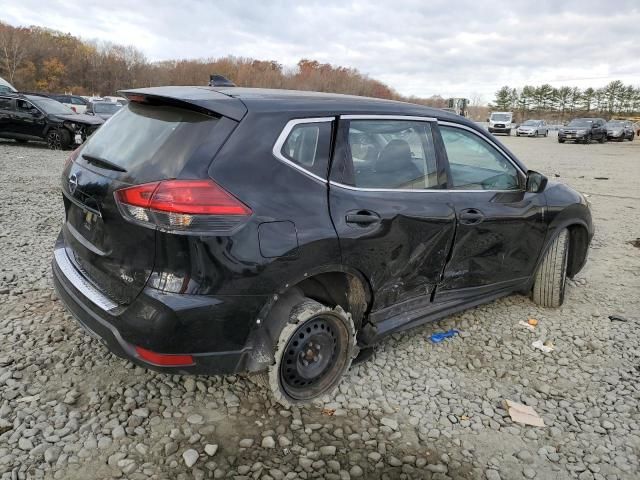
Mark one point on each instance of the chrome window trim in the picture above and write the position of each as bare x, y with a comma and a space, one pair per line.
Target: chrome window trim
408, 118
490, 142
407, 190
282, 138
80, 283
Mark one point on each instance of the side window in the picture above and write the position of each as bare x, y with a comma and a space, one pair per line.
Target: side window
475, 164
390, 154
76, 101
23, 106
5, 104
308, 145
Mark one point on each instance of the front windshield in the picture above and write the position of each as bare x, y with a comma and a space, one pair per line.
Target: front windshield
580, 123
616, 123
530, 123
106, 107
50, 106
501, 117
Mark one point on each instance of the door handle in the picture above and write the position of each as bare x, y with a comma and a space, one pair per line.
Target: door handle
362, 218
471, 216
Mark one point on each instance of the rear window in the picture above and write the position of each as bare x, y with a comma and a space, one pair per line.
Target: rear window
156, 139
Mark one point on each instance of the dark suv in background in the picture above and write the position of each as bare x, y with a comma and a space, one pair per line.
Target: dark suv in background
33, 117
584, 130
216, 230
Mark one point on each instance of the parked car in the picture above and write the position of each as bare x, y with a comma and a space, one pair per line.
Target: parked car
584, 130
620, 130
501, 122
104, 110
32, 117
532, 128
6, 87
75, 102
178, 254
118, 100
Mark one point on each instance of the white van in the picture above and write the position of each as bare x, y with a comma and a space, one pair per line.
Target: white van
6, 86
501, 122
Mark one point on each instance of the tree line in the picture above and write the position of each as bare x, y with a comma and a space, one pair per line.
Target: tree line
40, 59
614, 99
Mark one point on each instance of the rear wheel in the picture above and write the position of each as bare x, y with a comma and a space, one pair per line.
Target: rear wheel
551, 277
314, 350
58, 139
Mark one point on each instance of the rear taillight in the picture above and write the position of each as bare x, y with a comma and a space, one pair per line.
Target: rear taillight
187, 206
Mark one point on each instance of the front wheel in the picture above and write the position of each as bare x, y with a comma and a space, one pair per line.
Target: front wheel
58, 139
587, 139
560, 140
603, 139
551, 277
314, 350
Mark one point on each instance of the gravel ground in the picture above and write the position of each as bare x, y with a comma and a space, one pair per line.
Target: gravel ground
71, 410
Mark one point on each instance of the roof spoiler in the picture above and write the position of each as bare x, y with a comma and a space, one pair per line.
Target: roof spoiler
202, 99
220, 81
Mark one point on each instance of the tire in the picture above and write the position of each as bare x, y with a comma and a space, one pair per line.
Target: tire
587, 139
58, 139
300, 372
551, 277
560, 140
546, 133
603, 139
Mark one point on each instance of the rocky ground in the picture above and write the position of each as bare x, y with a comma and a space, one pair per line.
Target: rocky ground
71, 410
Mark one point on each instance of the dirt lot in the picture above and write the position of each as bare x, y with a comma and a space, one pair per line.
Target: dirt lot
71, 410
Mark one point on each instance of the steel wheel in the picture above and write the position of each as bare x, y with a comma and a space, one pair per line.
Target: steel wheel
314, 350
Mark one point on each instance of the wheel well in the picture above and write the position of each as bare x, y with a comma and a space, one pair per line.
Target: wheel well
339, 288
578, 245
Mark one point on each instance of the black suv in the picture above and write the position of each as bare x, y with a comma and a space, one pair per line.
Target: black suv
38, 117
584, 130
214, 230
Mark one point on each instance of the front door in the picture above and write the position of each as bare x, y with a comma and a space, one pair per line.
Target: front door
392, 217
28, 119
500, 227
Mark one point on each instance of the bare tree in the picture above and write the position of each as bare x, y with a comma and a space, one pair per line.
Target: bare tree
13, 49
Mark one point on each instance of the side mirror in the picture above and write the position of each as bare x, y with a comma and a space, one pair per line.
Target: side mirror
488, 120
536, 182
35, 112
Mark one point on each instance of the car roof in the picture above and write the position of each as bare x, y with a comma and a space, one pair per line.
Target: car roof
236, 101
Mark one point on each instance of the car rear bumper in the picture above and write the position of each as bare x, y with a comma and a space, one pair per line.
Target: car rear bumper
207, 328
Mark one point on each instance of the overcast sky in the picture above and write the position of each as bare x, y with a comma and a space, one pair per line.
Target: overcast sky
418, 47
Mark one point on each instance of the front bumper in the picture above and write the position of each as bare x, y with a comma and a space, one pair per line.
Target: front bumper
572, 137
526, 133
499, 129
215, 331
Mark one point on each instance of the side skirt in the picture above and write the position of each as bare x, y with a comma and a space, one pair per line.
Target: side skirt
379, 327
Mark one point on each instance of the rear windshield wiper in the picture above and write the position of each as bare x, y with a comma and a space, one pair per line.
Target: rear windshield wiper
103, 162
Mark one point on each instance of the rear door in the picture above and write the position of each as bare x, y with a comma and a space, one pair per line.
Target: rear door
6, 115
394, 222
145, 143
500, 227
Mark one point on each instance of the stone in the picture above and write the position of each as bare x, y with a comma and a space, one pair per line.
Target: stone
190, 457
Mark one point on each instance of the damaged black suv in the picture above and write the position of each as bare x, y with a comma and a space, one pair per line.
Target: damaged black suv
34, 117
216, 230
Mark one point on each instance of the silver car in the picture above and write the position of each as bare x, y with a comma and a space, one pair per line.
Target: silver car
532, 128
